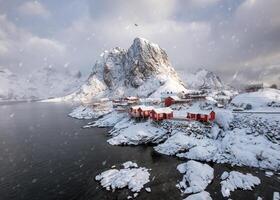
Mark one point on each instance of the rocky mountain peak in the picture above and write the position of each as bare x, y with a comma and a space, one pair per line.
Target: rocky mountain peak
142, 69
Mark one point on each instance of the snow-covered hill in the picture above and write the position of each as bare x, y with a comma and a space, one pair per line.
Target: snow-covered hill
142, 70
203, 78
40, 84
264, 98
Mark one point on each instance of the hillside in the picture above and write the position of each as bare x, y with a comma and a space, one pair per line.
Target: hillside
40, 84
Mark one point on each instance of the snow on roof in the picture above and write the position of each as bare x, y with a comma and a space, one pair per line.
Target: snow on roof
145, 100
163, 110
143, 107
199, 111
131, 98
146, 108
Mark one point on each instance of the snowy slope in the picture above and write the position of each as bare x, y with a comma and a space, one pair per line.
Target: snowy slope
203, 78
10, 87
39, 84
258, 99
142, 70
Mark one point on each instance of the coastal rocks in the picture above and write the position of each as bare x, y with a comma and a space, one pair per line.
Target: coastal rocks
131, 176
85, 112
199, 196
196, 177
236, 180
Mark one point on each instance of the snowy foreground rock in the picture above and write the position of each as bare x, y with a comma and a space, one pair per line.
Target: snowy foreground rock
197, 176
199, 196
131, 176
276, 196
236, 180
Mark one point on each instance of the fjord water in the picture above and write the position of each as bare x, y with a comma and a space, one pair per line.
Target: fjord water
46, 155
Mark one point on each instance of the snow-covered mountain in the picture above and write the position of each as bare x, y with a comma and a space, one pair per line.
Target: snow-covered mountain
40, 84
203, 78
142, 70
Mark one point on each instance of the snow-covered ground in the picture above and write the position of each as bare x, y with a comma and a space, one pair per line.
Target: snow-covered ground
131, 176
236, 180
259, 100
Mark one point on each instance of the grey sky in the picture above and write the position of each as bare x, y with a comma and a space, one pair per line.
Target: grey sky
227, 36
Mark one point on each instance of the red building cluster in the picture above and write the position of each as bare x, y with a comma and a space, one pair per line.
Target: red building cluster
158, 114
151, 112
202, 116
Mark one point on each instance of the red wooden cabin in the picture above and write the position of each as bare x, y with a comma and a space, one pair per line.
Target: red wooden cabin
144, 111
168, 101
140, 111
161, 114
202, 116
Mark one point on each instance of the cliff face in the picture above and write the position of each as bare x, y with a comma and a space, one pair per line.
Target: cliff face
141, 70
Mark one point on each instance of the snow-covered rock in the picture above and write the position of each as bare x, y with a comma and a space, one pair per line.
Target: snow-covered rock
129, 164
268, 174
136, 133
196, 177
86, 112
199, 196
236, 147
236, 180
141, 70
276, 196
133, 178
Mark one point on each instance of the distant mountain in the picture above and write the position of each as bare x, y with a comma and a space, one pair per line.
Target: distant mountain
203, 78
40, 84
142, 70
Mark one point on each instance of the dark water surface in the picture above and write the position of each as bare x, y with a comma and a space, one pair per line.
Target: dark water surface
46, 155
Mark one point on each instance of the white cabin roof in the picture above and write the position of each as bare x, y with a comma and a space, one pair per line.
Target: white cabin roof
131, 98
143, 107
163, 110
199, 111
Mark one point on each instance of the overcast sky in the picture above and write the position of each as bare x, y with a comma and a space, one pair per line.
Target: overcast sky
234, 38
